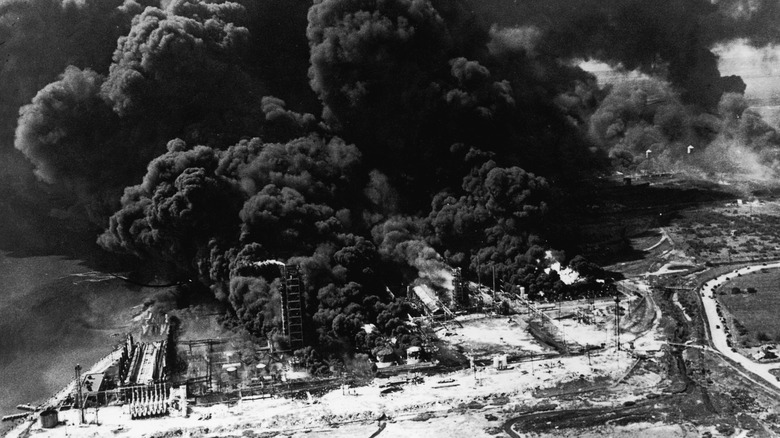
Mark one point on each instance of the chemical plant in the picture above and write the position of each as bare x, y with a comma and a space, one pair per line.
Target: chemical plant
164, 375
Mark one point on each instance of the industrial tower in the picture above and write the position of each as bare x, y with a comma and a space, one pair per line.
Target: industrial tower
292, 311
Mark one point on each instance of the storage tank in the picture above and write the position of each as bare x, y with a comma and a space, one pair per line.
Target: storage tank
49, 419
232, 372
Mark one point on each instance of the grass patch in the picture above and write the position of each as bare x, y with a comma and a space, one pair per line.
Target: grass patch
757, 312
730, 233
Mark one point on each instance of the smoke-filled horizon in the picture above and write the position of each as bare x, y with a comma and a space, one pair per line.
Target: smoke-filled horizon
371, 142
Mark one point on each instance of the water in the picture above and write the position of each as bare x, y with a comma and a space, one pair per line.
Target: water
54, 313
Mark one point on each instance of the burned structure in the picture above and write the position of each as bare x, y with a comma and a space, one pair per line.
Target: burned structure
291, 291
441, 302
461, 293
143, 363
292, 307
138, 378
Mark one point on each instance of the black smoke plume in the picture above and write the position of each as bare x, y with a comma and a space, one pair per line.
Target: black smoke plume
373, 143
396, 78
184, 70
39, 39
645, 127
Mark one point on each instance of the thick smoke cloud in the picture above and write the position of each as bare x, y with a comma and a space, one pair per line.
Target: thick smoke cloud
185, 70
395, 77
66, 128
644, 126
40, 38
489, 221
669, 39
371, 143
182, 62
217, 212
755, 20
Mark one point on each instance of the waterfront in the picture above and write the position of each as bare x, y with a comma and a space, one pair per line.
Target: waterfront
55, 312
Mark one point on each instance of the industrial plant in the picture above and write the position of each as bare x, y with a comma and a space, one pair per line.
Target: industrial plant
165, 375
389, 218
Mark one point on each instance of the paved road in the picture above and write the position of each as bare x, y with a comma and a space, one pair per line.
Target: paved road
717, 326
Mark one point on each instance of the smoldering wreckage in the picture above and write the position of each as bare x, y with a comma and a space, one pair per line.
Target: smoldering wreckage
386, 157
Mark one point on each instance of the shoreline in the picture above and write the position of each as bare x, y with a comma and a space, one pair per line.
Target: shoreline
56, 312
60, 396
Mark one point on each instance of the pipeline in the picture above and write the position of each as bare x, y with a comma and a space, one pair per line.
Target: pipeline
149, 401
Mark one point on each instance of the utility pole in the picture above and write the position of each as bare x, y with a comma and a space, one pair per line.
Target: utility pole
479, 273
495, 292
494, 284
79, 397
617, 321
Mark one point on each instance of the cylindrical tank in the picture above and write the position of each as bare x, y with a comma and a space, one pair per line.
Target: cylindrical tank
232, 372
49, 418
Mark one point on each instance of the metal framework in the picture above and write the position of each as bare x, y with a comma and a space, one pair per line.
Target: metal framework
292, 310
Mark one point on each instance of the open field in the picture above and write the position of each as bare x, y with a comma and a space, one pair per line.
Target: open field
731, 232
756, 312
486, 336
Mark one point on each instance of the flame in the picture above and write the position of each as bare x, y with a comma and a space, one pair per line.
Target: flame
269, 262
567, 274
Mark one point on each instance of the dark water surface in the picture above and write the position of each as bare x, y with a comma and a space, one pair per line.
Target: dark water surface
54, 313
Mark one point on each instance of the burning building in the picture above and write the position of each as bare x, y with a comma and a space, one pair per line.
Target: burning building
427, 297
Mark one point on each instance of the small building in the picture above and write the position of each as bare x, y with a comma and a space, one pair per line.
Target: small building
413, 355
500, 361
385, 357
765, 354
93, 386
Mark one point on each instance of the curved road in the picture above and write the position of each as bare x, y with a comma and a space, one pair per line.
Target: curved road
718, 340
717, 327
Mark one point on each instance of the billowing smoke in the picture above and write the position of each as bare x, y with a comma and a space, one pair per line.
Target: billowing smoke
185, 70
565, 273
401, 239
373, 144
341, 211
644, 126
668, 39
759, 67
40, 38
65, 128
513, 39
396, 78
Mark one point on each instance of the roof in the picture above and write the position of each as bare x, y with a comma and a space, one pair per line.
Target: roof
93, 382
428, 297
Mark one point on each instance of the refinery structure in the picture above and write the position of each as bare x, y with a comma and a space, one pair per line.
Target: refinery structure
163, 375
474, 338
137, 375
